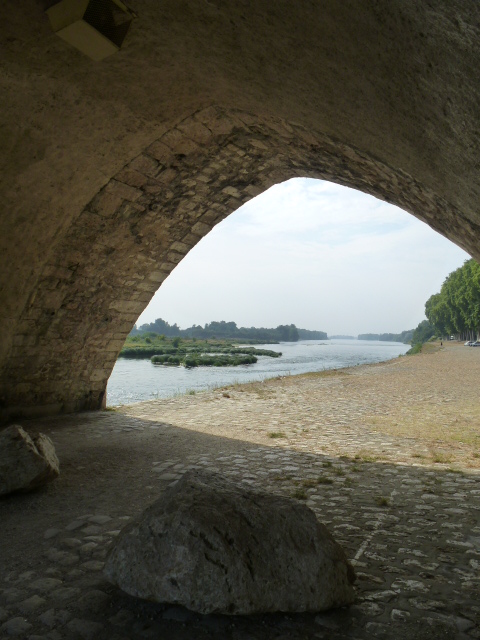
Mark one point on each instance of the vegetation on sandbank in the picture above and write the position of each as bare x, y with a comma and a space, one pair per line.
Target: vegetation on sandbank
191, 352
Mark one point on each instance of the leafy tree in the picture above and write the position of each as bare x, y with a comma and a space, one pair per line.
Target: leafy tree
456, 308
423, 332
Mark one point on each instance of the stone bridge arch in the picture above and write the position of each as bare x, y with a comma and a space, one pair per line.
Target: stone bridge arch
102, 274
112, 171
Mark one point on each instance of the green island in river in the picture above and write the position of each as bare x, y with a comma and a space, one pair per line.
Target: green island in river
190, 352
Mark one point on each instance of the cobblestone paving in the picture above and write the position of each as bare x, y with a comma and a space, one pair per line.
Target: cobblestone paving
411, 530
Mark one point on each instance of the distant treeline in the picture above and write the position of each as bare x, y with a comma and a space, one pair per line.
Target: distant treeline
222, 329
306, 334
405, 336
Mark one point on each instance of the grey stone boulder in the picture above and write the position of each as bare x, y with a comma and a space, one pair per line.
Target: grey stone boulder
25, 462
217, 547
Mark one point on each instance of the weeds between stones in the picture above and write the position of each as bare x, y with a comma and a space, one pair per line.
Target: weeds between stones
309, 483
441, 458
324, 480
300, 494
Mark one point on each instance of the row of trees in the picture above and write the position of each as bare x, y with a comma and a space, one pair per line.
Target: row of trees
456, 309
405, 336
222, 329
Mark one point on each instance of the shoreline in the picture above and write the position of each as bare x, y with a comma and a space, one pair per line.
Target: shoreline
126, 382
424, 401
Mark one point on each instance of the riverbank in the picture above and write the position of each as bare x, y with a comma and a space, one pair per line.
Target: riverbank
421, 409
135, 380
386, 455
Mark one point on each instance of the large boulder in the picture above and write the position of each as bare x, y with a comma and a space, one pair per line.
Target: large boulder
25, 463
213, 546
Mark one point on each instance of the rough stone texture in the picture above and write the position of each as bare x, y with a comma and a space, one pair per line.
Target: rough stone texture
213, 546
25, 463
112, 171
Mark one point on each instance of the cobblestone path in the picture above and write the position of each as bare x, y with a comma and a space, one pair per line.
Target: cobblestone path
385, 455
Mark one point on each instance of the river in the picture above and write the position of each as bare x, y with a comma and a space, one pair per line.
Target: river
139, 380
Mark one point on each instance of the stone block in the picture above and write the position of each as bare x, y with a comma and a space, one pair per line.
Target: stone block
160, 152
132, 178
123, 191
126, 306
179, 143
145, 164
181, 247
201, 229
196, 131
157, 276
167, 175
106, 203
174, 257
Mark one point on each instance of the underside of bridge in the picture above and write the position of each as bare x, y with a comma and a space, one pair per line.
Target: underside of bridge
112, 170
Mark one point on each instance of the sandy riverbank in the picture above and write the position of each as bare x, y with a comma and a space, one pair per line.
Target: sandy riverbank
422, 409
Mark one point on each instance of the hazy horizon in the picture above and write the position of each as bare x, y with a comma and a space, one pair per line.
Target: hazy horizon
314, 254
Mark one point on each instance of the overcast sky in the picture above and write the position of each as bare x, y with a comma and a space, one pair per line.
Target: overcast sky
314, 254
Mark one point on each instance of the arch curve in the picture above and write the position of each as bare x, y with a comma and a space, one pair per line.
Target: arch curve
103, 270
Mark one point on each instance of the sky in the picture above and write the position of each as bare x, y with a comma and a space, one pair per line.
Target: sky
311, 253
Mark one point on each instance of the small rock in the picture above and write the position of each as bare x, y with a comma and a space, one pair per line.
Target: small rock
370, 609
71, 543
383, 596
31, 604
93, 601
76, 524
26, 575
63, 558
55, 618
65, 593
399, 616
427, 605
25, 463
86, 629
100, 519
12, 595
92, 530
168, 476
93, 565
409, 585
50, 533
16, 627
87, 548
45, 584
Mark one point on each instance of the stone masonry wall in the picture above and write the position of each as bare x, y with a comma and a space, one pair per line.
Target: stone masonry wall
103, 271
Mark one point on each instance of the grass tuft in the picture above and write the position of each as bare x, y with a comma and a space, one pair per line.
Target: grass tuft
300, 494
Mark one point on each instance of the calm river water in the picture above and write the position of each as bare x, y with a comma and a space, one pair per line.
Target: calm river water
138, 380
